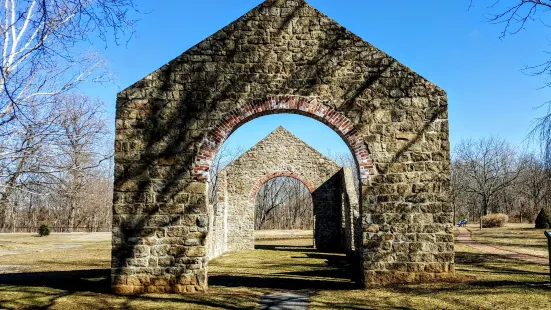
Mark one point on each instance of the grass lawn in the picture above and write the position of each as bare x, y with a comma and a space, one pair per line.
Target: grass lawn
78, 278
514, 237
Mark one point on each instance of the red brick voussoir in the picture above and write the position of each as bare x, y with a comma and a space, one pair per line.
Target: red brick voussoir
306, 106
277, 174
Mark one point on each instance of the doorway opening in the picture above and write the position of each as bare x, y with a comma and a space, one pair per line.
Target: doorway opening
284, 213
282, 199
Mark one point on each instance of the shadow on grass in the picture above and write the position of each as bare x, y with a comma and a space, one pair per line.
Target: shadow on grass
31, 294
531, 229
542, 246
330, 275
497, 264
29, 297
331, 272
281, 283
327, 273
93, 280
508, 236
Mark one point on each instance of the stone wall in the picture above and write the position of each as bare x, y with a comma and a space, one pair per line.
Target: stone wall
285, 57
350, 212
217, 238
281, 154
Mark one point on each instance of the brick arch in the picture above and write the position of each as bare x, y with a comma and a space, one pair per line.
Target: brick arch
277, 174
306, 106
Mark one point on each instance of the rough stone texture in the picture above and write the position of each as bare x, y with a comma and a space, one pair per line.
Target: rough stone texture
285, 57
277, 155
350, 212
217, 237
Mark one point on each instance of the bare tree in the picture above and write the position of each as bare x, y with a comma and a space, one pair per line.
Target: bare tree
542, 133
284, 203
514, 15
534, 182
42, 61
271, 195
487, 173
63, 177
22, 157
41, 56
458, 187
81, 131
489, 165
225, 155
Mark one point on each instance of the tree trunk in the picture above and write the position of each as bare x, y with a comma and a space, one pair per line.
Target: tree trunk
485, 205
71, 219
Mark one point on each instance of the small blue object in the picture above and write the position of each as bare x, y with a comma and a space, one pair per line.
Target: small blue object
462, 222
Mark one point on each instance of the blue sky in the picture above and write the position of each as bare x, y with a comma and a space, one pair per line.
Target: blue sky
451, 46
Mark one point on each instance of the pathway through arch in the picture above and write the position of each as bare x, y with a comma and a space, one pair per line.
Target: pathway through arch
284, 301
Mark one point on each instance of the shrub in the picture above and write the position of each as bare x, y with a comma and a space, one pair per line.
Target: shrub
543, 220
43, 230
494, 220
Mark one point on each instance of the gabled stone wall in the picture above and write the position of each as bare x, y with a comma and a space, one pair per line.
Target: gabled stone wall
285, 57
281, 154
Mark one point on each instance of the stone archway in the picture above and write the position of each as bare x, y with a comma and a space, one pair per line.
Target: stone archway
307, 106
280, 154
284, 56
278, 174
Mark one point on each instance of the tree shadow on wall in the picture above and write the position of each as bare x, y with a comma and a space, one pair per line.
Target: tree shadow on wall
170, 137
170, 126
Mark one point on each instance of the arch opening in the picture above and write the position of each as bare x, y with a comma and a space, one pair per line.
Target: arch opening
278, 174
239, 177
304, 106
284, 203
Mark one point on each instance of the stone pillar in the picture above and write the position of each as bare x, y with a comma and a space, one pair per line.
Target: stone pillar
350, 211
217, 238
327, 200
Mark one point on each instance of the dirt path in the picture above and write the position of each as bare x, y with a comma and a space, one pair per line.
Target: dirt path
465, 237
284, 301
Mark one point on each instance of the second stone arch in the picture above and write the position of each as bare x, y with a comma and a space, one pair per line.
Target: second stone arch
334, 197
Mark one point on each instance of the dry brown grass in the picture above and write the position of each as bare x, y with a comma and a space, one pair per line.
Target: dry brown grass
499, 284
57, 252
78, 278
282, 234
520, 238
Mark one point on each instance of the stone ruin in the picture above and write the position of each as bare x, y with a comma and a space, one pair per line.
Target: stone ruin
281, 57
281, 154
